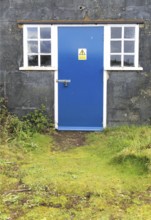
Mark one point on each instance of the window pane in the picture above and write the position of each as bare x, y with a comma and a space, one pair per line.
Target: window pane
128, 46
116, 32
45, 47
33, 60
129, 32
32, 46
32, 33
115, 46
45, 60
115, 60
128, 60
45, 33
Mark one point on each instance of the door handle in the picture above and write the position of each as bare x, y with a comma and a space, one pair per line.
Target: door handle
64, 81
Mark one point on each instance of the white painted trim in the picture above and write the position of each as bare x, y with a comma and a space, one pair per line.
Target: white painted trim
39, 59
38, 39
106, 46
25, 45
56, 78
37, 68
122, 48
137, 46
122, 53
105, 53
53, 47
107, 67
104, 99
124, 68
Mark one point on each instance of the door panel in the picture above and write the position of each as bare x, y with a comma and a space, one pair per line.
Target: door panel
80, 63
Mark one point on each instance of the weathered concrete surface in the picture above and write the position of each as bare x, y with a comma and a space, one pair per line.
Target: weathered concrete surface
25, 92
129, 93
29, 92
129, 98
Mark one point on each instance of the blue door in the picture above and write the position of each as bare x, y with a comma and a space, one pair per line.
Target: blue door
80, 78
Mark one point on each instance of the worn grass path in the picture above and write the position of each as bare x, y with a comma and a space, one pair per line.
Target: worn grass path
79, 176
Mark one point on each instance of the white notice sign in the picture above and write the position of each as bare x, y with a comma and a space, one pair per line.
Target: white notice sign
82, 54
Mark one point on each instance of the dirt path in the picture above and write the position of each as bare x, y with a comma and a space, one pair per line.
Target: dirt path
64, 140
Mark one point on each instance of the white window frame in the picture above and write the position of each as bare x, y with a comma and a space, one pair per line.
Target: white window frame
107, 48
25, 48
107, 40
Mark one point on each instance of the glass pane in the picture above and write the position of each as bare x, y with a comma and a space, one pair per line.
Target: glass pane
115, 46
45, 33
45, 60
45, 47
32, 33
116, 32
33, 60
115, 60
128, 46
128, 60
32, 46
129, 32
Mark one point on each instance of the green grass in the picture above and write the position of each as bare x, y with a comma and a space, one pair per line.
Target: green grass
107, 178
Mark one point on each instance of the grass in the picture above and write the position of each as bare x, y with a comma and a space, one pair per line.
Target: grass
107, 178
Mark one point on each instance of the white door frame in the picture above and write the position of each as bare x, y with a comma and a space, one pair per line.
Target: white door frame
105, 75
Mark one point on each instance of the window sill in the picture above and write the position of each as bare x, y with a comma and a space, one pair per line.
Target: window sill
125, 68
37, 68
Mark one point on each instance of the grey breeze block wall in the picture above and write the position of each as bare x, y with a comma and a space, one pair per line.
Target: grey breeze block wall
129, 93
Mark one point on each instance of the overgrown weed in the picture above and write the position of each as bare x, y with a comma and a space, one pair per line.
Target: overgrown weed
19, 131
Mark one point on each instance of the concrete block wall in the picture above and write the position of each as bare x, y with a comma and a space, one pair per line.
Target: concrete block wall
129, 92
